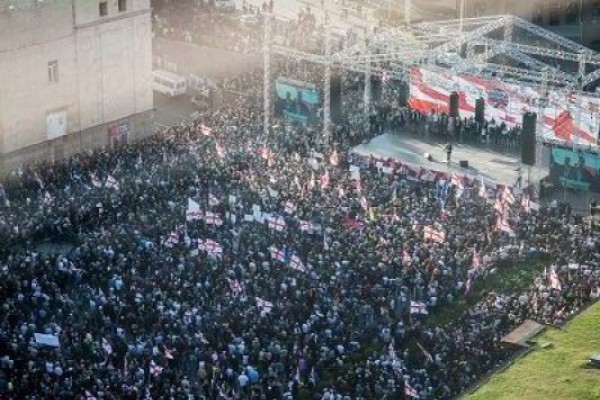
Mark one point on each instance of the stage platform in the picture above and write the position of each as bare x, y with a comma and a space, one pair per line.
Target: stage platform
483, 162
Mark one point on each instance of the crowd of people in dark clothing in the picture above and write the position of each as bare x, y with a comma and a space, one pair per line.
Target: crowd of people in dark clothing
214, 261
218, 261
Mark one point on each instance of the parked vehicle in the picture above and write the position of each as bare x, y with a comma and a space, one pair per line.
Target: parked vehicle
168, 83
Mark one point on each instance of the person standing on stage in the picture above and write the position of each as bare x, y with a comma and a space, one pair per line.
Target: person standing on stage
448, 152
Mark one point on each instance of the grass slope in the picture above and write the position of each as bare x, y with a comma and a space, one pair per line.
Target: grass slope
559, 372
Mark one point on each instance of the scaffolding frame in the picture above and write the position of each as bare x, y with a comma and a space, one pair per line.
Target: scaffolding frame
505, 46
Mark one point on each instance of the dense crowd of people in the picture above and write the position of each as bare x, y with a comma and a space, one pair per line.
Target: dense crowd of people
214, 262
214, 24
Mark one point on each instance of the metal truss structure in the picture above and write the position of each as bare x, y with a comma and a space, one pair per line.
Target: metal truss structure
503, 46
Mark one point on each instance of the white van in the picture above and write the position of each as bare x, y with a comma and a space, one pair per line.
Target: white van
168, 83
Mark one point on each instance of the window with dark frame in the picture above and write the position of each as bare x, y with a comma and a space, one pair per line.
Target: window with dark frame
53, 71
103, 8
538, 14
594, 12
572, 13
122, 5
554, 14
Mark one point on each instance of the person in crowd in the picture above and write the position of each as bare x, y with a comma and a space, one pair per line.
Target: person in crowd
218, 261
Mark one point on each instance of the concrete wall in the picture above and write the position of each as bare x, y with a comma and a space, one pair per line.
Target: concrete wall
104, 71
28, 95
31, 22
140, 127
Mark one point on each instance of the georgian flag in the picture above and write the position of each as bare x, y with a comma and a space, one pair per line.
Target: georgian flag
89, 396
235, 286
499, 206
38, 180
213, 219
410, 391
503, 226
172, 239
306, 226
276, 254
363, 203
112, 183
168, 354
48, 199
219, 149
325, 179
311, 182
193, 212
212, 248
276, 223
334, 159
507, 195
155, 369
427, 175
352, 223
469, 286
457, 181
527, 204
417, 307
554, 281
477, 259
433, 234
106, 346
270, 159
205, 130
264, 152
297, 264
264, 306
482, 190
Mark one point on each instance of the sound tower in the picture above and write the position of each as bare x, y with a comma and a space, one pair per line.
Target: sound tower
480, 111
404, 94
453, 104
335, 95
528, 139
375, 88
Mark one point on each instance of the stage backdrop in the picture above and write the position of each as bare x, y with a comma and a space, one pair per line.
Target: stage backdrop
567, 116
296, 100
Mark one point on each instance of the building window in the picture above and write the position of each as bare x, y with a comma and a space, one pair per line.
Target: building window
538, 14
554, 15
594, 13
122, 5
103, 8
53, 71
572, 13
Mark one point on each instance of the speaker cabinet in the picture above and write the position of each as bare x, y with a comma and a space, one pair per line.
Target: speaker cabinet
453, 105
528, 139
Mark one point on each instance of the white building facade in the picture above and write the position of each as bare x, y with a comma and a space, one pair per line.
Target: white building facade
74, 74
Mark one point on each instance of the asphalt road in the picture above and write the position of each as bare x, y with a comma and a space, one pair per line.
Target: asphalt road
172, 110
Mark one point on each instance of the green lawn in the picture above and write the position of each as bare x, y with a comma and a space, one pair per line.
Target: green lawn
559, 372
